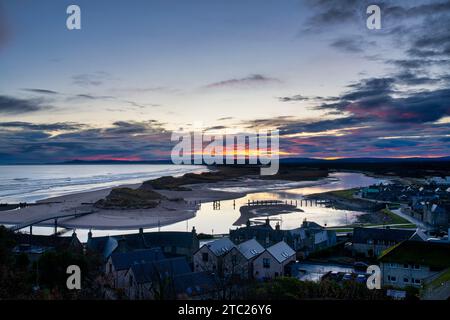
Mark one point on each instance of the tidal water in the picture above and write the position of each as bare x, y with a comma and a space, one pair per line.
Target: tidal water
210, 218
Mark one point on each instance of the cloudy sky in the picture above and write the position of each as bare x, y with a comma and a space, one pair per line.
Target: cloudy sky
138, 70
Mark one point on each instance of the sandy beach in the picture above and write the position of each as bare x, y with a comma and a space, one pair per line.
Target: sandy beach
167, 212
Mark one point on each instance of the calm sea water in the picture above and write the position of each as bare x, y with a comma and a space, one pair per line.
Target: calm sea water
31, 183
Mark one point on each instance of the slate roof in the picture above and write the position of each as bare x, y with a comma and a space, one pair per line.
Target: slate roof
140, 241
281, 251
152, 271
362, 235
250, 249
194, 284
124, 260
436, 255
221, 246
52, 241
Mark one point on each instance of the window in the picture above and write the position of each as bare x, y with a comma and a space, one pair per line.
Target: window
110, 268
406, 266
416, 266
405, 280
417, 281
234, 259
131, 281
205, 256
266, 263
392, 279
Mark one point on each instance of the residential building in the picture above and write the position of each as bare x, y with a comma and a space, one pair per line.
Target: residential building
119, 263
272, 262
210, 256
238, 262
154, 279
172, 243
195, 286
35, 245
308, 238
410, 263
371, 242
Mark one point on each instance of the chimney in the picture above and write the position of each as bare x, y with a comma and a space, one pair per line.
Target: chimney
141, 230
194, 231
267, 221
90, 234
277, 227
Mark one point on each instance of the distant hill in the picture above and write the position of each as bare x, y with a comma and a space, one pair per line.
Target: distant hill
115, 162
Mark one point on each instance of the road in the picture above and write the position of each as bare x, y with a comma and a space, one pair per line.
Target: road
418, 223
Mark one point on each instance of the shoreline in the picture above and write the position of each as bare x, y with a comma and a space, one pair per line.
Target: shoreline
170, 211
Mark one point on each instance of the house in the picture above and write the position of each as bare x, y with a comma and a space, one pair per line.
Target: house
210, 256
195, 286
263, 233
436, 216
410, 263
172, 243
153, 279
309, 237
119, 263
238, 262
272, 262
371, 242
35, 245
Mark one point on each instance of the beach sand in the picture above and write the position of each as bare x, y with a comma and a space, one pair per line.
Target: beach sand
167, 212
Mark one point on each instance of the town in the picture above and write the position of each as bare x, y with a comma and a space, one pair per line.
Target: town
259, 259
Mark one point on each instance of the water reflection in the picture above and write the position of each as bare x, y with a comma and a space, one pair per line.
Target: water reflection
215, 219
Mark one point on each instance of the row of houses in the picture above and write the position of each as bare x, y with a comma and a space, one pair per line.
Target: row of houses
429, 203
149, 274
246, 260
309, 237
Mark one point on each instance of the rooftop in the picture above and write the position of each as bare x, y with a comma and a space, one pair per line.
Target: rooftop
362, 235
436, 255
123, 261
281, 251
250, 249
220, 246
151, 271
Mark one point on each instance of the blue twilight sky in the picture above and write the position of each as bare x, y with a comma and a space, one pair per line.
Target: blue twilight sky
138, 70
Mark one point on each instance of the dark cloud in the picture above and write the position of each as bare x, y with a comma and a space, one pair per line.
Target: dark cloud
378, 100
297, 97
26, 142
41, 91
225, 118
66, 126
11, 105
251, 80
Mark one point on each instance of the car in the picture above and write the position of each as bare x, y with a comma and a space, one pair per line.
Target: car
347, 277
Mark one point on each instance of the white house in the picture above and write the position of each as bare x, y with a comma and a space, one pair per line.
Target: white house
272, 262
210, 256
239, 260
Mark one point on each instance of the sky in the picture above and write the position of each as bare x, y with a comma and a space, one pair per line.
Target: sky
139, 70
